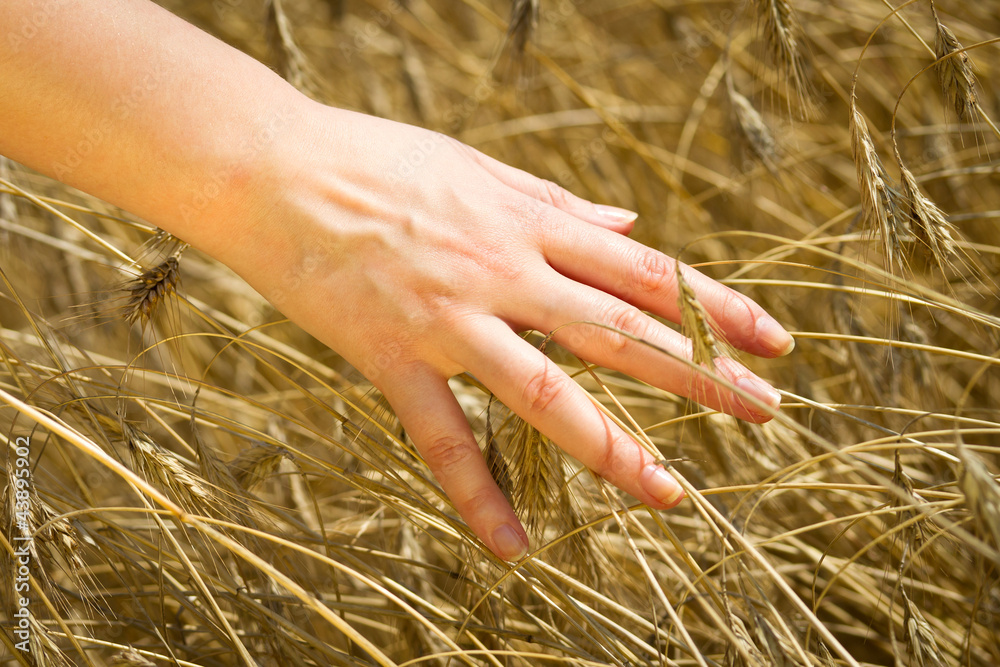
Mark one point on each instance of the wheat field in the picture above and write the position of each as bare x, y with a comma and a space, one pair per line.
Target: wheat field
210, 486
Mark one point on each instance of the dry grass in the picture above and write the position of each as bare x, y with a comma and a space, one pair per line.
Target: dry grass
696, 324
954, 70
211, 487
779, 28
291, 61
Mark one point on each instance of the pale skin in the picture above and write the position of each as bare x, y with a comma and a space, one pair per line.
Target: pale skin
411, 254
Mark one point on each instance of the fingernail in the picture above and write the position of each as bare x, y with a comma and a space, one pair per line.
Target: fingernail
773, 336
761, 390
615, 214
660, 484
509, 543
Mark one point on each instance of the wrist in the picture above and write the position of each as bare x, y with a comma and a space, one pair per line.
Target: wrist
261, 224
227, 208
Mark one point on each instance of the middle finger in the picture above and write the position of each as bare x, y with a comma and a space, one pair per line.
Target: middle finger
566, 301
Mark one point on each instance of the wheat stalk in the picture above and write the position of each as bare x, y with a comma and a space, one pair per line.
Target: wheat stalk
495, 460
536, 471
782, 33
982, 494
256, 464
696, 323
954, 70
164, 469
755, 132
937, 236
880, 200
510, 61
292, 61
920, 637
146, 293
129, 657
8, 209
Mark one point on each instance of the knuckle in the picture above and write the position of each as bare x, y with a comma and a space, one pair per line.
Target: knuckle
612, 463
605, 465
476, 504
628, 320
447, 454
554, 194
545, 218
497, 266
653, 272
526, 214
544, 390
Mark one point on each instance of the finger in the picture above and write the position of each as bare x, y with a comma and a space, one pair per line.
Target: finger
569, 301
430, 414
528, 383
614, 219
647, 278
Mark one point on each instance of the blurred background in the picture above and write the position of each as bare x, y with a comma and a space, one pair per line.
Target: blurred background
836, 161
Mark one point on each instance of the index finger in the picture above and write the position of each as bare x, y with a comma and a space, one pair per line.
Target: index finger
647, 278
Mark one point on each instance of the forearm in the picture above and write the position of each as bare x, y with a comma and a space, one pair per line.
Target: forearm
123, 100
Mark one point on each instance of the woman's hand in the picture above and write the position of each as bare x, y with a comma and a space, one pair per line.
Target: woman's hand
417, 258
412, 255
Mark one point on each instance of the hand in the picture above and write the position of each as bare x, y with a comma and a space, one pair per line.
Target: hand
412, 255
417, 258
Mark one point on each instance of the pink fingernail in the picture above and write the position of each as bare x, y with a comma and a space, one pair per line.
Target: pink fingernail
660, 484
615, 214
773, 336
510, 545
760, 390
